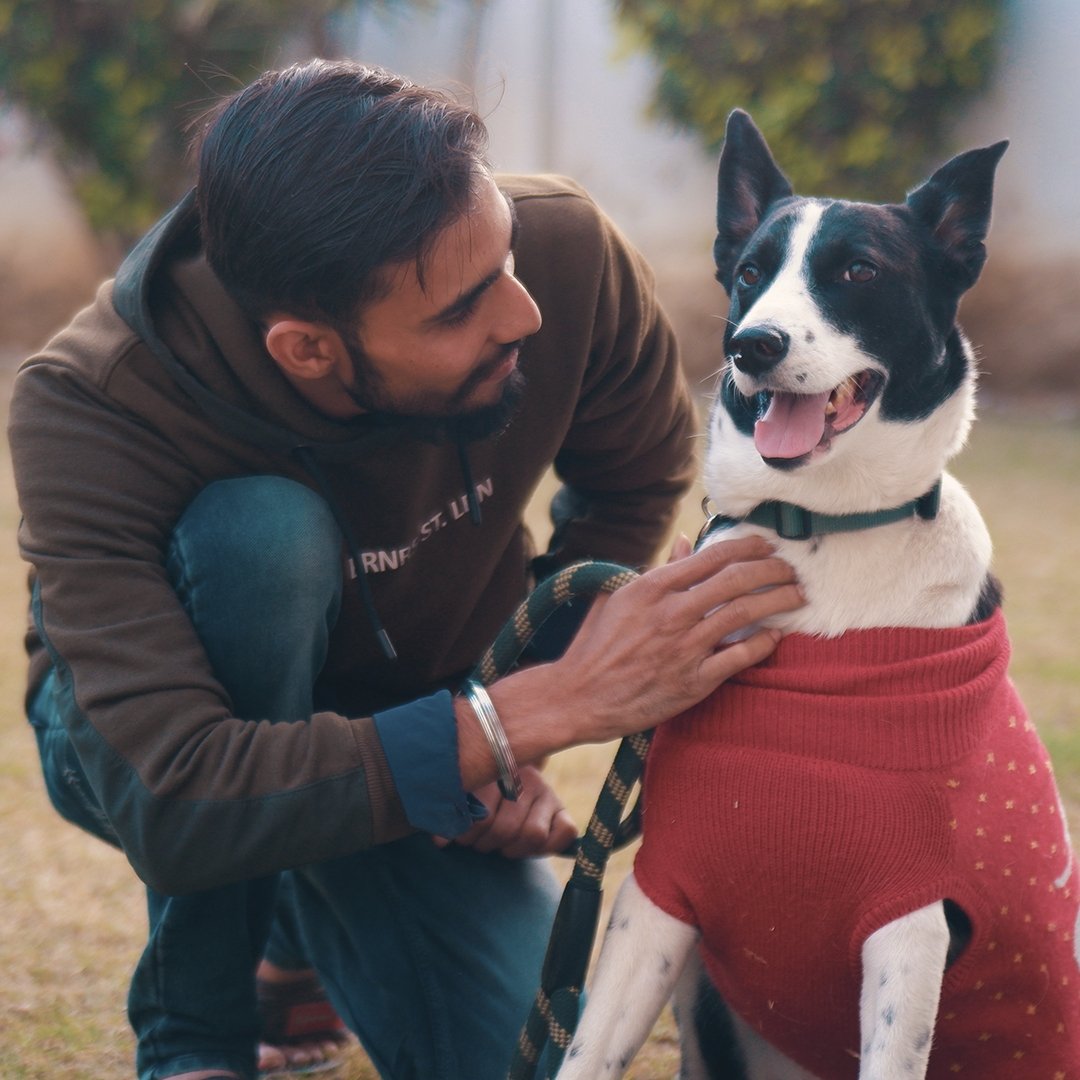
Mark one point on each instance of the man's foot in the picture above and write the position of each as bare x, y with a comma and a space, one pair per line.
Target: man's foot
285, 1061
301, 1033
206, 1074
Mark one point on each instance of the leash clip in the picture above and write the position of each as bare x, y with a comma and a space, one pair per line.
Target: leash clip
710, 519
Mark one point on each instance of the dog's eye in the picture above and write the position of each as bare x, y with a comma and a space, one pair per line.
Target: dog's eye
749, 275
860, 272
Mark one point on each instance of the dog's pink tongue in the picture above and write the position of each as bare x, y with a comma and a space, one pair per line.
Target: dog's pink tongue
792, 426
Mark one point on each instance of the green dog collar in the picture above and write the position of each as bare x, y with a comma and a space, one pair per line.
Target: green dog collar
797, 523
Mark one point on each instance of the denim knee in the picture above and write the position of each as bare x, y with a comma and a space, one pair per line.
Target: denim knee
257, 563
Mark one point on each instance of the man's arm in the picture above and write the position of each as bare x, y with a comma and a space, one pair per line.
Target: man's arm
197, 795
627, 457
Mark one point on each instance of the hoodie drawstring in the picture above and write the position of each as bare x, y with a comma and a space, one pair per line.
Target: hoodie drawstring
311, 464
307, 459
470, 487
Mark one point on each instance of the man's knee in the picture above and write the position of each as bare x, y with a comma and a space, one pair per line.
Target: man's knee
257, 564
264, 540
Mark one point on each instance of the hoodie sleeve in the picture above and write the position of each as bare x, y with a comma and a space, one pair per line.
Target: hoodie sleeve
197, 796
627, 457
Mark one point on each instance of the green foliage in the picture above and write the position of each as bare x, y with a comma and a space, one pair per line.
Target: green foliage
115, 83
853, 95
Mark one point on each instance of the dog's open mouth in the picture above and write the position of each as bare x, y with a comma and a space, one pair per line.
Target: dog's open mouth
793, 426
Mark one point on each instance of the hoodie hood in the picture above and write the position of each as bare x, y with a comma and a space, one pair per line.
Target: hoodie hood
280, 420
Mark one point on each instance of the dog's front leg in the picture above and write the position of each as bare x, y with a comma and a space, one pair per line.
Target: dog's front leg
643, 953
903, 966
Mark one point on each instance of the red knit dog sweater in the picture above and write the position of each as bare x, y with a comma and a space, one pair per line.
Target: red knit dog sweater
846, 782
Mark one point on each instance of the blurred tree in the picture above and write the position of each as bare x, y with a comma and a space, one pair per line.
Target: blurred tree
113, 84
854, 96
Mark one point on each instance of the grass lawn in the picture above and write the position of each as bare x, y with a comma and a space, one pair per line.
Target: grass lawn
72, 912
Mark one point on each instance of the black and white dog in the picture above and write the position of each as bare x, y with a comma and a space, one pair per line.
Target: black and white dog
847, 389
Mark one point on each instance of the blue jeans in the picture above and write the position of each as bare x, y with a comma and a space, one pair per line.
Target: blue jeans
431, 956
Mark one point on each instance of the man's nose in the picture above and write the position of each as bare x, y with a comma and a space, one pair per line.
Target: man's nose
519, 317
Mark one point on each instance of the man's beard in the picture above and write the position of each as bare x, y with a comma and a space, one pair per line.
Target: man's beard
450, 419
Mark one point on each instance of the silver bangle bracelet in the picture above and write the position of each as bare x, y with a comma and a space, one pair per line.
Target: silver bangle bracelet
509, 777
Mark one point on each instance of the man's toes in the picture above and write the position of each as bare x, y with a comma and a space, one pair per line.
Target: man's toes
299, 1055
271, 1058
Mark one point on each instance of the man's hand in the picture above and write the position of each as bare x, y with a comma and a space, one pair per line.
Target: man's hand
537, 824
645, 653
661, 643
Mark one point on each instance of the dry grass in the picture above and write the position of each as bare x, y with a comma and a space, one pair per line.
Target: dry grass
73, 919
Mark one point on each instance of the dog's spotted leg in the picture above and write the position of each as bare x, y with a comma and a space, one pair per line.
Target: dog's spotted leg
903, 966
643, 953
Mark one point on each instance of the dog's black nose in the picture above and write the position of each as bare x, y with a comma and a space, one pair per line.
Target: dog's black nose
758, 349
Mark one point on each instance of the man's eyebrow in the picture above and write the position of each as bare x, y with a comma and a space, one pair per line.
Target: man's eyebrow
515, 224
467, 299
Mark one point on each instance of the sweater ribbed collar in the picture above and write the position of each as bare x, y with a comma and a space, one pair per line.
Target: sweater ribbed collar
897, 698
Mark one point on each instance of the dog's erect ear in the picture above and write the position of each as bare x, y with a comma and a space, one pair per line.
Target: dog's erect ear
955, 205
747, 184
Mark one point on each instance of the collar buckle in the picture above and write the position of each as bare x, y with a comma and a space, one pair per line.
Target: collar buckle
927, 506
792, 522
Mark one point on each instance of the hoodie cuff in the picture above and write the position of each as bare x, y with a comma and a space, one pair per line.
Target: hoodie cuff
421, 747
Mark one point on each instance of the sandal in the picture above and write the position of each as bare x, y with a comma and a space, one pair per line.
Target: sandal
287, 1071
297, 1013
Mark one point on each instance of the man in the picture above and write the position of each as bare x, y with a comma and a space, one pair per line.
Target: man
272, 484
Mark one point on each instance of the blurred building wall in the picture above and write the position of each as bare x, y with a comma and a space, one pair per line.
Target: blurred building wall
1034, 103
559, 95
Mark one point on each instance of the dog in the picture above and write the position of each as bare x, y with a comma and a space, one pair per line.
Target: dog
855, 862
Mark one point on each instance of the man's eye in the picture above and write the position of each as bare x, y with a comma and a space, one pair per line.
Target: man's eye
461, 316
860, 272
749, 275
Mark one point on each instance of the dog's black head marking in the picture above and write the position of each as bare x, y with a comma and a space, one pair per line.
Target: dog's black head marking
749, 185
886, 278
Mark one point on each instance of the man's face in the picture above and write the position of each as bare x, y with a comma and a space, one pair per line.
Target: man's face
447, 348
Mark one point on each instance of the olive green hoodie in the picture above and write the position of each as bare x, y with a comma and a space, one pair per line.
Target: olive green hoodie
162, 386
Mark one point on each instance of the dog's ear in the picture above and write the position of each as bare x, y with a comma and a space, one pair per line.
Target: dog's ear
955, 205
748, 182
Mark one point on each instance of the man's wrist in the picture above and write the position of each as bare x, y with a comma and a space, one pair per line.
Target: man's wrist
509, 776
420, 744
528, 707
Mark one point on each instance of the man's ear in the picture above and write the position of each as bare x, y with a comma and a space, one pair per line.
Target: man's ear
304, 350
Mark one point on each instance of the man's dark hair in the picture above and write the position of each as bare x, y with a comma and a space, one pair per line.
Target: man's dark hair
313, 178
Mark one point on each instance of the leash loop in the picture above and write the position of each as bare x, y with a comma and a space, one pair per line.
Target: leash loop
554, 1013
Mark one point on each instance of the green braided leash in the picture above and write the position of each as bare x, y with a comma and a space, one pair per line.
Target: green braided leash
554, 1013
555, 1010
